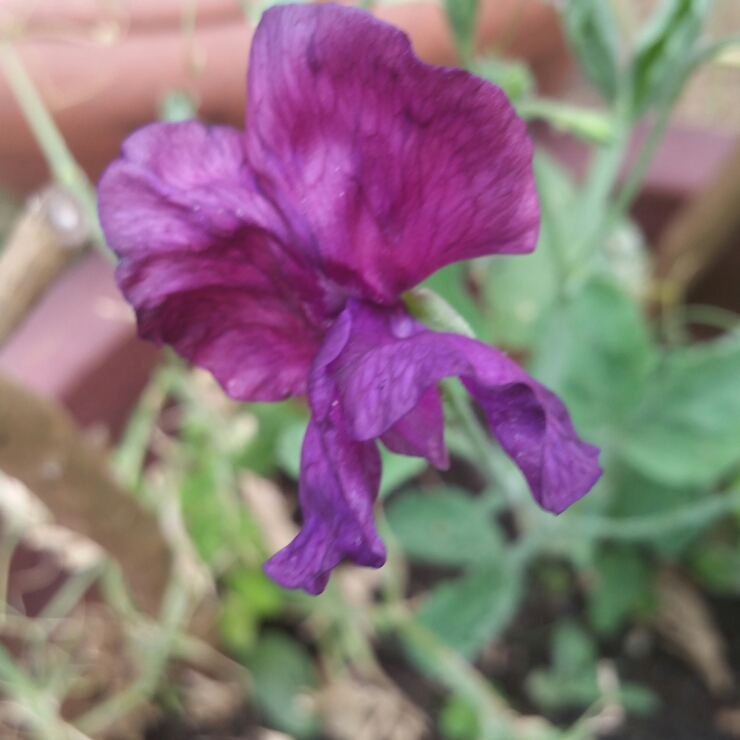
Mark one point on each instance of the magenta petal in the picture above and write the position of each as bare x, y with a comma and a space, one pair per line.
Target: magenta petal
339, 483
396, 168
388, 363
391, 361
420, 433
202, 260
532, 425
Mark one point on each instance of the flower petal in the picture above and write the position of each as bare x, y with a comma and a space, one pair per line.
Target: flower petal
203, 263
398, 168
532, 425
338, 486
420, 433
384, 374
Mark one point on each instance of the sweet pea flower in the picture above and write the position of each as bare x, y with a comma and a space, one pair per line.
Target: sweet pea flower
276, 258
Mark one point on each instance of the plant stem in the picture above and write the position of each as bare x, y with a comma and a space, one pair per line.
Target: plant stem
673, 88
637, 174
654, 525
128, 463
176, 609
714, 316
8, 543
600, 181
497, 720
72, 592
37, 706
495, 466
62, 164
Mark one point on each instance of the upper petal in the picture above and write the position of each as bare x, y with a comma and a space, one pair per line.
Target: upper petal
204, 261
395, 168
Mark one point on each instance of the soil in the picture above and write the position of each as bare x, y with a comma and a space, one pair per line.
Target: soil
241, 725
687, 712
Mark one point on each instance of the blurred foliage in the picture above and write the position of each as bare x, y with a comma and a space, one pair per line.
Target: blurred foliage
572, 678
10, 208
283, 671
593, 36
664, 409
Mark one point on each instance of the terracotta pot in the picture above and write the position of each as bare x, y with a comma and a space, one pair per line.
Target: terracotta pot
79, 346
103, 67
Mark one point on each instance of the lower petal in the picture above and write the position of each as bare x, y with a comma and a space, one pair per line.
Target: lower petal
388, 366
339, 483
421, 432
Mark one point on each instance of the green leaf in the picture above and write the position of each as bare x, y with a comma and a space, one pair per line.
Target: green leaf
458, 720
469, 612
637, 699
288, 448
177, 105
249, 598
571, 679
558, 197
461, 315
398, 469
573, 650
662, 47
592, 125
622, 587
283, 672
273, 420
686, 430
597, 356
520, 290
448, 528
433, 310
634, 495
513, 77
214, 517
717, 565
553, 692
462, 15
592, 34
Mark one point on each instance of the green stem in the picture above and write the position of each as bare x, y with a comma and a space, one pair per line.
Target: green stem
472, 428
38, 707
71, 593
442, 663
673, 88
714, 316
128, 462
637, 174
654, 525
600, 181
62, 164
116, 595
501, 476
174, 616
8, 543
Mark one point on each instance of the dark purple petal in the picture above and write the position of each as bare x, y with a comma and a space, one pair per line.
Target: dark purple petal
203, 263
383, 375
420, 433
338, 486
387, 167
532, 425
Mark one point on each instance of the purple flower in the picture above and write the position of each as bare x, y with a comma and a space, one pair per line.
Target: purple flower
276, 259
